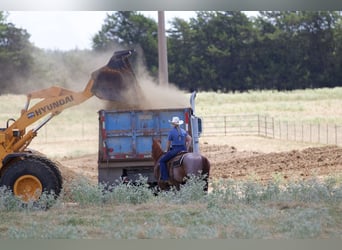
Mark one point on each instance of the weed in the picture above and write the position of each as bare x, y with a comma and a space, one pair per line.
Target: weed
233, 210
9, 202
192, 190
86, 193
132, 193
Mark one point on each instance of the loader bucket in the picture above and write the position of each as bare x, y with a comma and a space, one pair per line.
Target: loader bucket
115, 81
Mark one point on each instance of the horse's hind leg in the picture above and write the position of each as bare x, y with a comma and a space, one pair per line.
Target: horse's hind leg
205, 172
206, 185
163, 185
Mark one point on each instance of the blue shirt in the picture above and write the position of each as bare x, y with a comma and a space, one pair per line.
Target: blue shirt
176, 137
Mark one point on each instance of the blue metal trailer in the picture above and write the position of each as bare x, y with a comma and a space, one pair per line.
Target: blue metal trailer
125, 140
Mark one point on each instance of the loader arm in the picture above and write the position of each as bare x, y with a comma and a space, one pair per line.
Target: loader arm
108, 83
54, 101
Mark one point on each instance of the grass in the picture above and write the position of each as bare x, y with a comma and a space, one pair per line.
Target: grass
311, 105
80, 123
233, 210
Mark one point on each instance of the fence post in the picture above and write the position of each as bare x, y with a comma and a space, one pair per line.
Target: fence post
273, 126
265, 125
258, 124
306, 136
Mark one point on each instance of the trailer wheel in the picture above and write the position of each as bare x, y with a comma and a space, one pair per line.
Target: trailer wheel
29, 178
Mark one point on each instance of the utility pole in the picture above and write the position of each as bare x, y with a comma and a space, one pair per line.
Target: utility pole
162, 50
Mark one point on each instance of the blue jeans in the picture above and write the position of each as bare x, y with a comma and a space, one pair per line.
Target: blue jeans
170, 154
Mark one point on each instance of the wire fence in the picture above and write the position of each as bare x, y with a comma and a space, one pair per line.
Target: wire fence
261, 125
222, 125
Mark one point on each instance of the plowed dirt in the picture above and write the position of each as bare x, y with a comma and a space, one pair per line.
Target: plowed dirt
230, 162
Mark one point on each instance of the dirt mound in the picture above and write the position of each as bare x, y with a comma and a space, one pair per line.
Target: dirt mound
85, 166
229, 162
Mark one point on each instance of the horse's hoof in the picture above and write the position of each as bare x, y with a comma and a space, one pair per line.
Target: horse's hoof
168, 182
165, 185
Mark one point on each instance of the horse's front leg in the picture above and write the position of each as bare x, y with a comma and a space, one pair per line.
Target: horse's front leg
177, 185
163, 185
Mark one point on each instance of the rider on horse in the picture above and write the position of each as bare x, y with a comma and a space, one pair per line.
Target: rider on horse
178, 140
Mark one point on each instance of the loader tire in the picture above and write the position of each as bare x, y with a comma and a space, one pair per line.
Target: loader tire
54, 168
29, 177
53, 165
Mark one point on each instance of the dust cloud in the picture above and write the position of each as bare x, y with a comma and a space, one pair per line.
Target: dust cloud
150, 94
73, 70
162, 96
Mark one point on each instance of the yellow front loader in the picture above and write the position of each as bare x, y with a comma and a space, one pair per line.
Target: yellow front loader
25, 172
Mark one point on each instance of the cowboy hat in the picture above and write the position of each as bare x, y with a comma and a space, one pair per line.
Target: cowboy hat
176, 121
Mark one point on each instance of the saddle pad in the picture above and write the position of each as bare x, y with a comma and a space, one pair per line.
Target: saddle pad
176, 161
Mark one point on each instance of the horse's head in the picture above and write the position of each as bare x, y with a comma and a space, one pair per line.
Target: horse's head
157, 150
156, 141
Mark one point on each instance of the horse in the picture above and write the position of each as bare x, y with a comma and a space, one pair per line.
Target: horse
189, 163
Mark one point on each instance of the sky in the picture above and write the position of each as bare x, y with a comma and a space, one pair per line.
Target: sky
67, 30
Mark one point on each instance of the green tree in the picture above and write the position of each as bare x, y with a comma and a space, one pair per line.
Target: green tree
295, 49
214, 50
227, 51
318, 31
127, 30
273, 53
180, 45
281, 50
15, 56
337, 51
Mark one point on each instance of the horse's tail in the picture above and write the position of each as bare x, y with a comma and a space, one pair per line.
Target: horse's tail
206, 171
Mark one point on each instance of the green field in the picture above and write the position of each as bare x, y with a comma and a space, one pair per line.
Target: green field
312, 105
80, 123
233, 210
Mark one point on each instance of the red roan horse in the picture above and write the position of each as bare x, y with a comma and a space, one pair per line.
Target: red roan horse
188, 164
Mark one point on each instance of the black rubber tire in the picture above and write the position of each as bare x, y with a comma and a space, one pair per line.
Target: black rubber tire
54, 168
30, 166
53, 165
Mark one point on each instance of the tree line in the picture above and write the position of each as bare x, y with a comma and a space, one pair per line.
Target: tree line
223, 51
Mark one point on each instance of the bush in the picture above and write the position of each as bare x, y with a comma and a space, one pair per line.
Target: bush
85, 193
9, 202
192, 190
132, 193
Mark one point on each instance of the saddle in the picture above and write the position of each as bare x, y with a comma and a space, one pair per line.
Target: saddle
176, 161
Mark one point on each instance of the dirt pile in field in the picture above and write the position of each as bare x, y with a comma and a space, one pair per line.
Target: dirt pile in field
229, 162
74, 168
